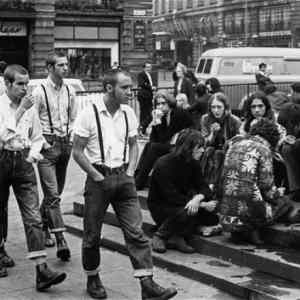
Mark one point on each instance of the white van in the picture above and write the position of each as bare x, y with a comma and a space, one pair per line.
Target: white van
236, 68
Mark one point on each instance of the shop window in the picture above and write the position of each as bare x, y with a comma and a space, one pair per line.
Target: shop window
88, 63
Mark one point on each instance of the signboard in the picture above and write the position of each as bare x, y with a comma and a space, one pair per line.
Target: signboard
139, 12
139, 35
13, 28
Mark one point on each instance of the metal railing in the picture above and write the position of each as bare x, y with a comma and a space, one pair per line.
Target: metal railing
235, 93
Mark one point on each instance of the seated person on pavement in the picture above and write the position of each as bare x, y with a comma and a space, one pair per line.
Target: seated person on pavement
179, 198
167, 121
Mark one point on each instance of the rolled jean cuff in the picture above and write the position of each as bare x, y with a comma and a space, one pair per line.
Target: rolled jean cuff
92, 272
61, 229
36, 254
142, 273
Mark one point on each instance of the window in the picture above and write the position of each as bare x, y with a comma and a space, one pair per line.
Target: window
163, 6
208, 66
171, 5
189, 3
275, 18
156, 7
201, 65
87, 63
179, 4
200, 2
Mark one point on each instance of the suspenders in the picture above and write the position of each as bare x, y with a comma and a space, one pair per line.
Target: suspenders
49, 112
100, 136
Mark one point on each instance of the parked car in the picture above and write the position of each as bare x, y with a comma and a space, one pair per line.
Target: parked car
235, 68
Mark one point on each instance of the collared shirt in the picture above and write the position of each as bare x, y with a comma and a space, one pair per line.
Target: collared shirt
113, 132
26, 134
149, 78
58, 102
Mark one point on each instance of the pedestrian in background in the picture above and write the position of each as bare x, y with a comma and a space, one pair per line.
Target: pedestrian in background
21, 140
55, 103
105, 147
145, 96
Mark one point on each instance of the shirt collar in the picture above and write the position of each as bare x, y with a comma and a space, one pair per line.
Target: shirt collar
53, 85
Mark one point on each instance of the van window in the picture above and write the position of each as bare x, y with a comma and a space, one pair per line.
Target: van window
201, 65
249, 65
292, 67
208, 66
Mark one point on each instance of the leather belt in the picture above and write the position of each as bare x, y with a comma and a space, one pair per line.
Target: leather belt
50, 138
107, 171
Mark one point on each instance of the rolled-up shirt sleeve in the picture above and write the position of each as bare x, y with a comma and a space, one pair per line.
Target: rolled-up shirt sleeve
132, 122
83, 122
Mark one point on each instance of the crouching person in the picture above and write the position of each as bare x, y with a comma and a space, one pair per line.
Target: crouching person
179, 196
21, 140
250, 199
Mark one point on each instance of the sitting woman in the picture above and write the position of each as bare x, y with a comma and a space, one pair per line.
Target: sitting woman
217, 126
179, 198
258, 106
168, 121
250, 199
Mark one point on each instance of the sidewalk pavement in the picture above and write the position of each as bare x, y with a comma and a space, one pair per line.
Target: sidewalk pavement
116, 272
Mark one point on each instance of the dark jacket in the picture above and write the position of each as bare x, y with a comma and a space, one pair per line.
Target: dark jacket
179, 119
144, 88
174, 182
186, 88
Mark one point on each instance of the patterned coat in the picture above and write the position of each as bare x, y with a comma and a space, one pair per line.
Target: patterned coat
249, 193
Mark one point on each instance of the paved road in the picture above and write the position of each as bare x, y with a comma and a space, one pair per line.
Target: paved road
116, 269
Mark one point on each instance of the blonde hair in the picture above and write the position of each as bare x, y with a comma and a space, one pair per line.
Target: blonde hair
183, 97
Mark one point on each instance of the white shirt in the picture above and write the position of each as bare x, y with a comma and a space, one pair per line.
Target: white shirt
26, 134
2, 86
113, 132
149, 78
58, 103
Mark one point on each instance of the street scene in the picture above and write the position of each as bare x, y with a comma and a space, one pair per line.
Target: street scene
150, 149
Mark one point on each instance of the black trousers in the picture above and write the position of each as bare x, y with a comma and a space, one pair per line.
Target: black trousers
145, 113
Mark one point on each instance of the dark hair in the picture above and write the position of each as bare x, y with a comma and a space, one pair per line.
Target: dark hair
146, 63
191, 76
11, 71
167, 96
219, 97
51, 59
267, 129
3, 65
187, 140
269, 114
201, 90
214, 84
261, 65
289, 117
111, 77
296, 87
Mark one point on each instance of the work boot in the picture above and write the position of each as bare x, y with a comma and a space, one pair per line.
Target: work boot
179, 243
45, 277
3, 271
95, 287
49, 241
152, 291
158, 244
5, 259
254, 238
63, 251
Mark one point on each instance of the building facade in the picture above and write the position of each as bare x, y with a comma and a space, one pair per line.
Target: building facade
183, 29
88, 31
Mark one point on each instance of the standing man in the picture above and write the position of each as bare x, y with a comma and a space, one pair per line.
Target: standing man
145, 95
21, 140
55, 102
105, 147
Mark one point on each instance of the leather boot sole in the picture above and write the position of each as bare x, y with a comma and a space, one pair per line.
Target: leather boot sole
7, 263
3, 272
97, 296
168, 294
64, 254
56, 280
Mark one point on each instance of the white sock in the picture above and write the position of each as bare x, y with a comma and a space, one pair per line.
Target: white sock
39, 260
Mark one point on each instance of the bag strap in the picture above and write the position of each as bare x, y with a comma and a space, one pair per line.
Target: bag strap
48, 109
126, 137
68, 109
99, 133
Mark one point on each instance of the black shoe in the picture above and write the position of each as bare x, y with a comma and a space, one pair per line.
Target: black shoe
95, 287
152, 291
49, 241
5, 259
158, 244
3, 271
45, 277
63, 251
179, 243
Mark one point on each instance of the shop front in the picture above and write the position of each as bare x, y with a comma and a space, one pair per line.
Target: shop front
14, 42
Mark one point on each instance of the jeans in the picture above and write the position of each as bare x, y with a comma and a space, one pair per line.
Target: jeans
119, 191
18, 173
52, 170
